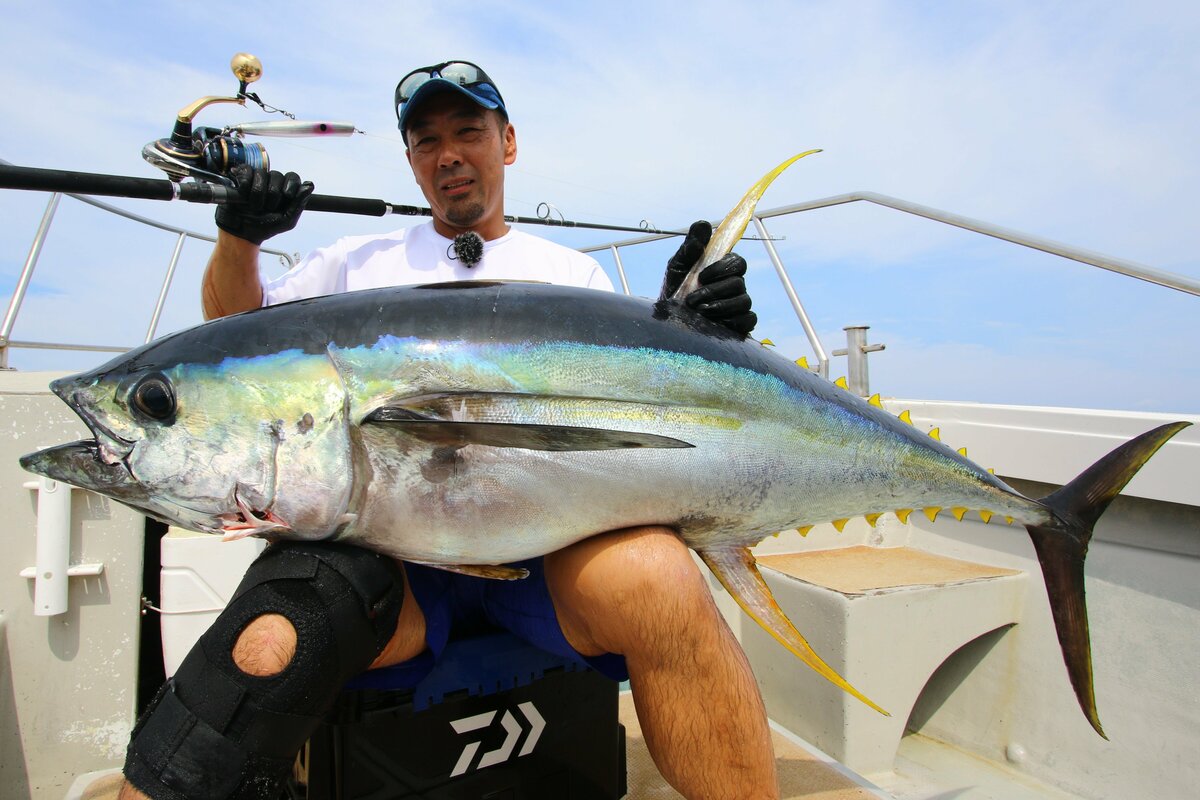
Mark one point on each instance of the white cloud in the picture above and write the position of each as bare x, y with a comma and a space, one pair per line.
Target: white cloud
1070, 121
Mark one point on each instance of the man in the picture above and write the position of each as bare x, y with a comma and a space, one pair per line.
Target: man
309, 616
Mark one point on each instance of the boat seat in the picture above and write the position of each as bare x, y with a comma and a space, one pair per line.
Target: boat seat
885, 618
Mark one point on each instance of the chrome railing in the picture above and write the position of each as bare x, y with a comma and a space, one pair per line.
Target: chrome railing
35, 250
1122, 266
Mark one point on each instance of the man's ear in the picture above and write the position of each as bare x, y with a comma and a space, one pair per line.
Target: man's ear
510, 144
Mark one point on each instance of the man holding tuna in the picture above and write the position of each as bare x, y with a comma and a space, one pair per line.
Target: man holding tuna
631, 603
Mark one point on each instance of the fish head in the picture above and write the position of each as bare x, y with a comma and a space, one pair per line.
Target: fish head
244, 446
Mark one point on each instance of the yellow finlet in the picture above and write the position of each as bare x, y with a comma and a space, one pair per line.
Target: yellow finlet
903, 513
958, 512
962, 451
775, 535
841, 383
932, 513
986, 516
803, 531
767, 343
802, 361
905, 416
1008, 520
872, 519
991, 471
875, 401
936, 434
840, 524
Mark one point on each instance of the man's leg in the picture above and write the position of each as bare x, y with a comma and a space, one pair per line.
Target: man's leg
638, 593
235, 699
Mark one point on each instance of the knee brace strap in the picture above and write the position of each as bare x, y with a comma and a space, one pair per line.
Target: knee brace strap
215, 731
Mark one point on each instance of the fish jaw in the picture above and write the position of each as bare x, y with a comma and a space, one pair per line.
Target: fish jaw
82, 464
76, 392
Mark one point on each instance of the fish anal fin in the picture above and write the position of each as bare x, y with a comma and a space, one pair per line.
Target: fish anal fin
496, 572
519, 435
736, 570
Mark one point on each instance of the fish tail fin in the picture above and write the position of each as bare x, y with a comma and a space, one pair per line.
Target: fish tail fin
737, 572
1062, 547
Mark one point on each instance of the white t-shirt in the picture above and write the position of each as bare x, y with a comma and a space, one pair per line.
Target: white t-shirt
419, 254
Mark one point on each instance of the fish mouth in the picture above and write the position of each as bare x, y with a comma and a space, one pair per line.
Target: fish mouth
112, 448
82, 464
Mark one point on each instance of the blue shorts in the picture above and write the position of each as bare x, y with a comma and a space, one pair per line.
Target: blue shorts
457, 606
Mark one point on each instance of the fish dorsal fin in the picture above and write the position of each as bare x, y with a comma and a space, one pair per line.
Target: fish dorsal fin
520, 435
496, 572
732, 227
737, 572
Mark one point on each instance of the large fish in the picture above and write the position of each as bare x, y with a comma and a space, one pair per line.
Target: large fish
471, 425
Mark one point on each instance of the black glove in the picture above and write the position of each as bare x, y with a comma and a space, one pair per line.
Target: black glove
271, 203
722, 295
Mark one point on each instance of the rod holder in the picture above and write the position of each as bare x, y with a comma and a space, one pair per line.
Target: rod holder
53, 568
857, 378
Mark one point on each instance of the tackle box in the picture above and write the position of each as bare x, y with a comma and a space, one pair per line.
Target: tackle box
496, 718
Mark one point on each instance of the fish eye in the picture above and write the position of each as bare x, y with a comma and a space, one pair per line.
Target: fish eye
153, 397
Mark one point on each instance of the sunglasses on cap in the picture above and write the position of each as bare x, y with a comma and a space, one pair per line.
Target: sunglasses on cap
462, 74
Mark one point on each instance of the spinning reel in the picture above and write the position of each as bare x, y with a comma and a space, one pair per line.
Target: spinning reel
208, 154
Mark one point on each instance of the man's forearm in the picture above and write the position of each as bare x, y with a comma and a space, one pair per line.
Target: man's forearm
231, 281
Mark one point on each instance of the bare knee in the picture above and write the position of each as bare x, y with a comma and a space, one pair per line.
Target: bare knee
266, 646
621, 589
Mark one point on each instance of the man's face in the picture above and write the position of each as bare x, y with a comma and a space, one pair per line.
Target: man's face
458, 152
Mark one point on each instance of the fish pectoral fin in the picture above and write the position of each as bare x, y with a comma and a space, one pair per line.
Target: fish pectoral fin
520, 435
496, 572
736, 570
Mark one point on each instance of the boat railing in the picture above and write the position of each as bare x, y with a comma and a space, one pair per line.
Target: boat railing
857, 348
35, 250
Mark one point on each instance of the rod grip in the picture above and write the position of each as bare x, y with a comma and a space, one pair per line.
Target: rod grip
347, 205
57, 180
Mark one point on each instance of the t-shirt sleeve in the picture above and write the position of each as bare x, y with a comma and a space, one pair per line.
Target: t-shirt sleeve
319, 273
598, 279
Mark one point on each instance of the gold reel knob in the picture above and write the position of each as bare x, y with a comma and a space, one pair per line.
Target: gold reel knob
246, 67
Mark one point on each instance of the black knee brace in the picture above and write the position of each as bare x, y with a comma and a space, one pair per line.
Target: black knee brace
215, 732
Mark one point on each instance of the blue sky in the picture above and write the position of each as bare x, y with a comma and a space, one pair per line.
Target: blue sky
1072, 121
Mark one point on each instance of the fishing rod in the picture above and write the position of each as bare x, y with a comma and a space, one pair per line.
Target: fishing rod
196, 191
207, 155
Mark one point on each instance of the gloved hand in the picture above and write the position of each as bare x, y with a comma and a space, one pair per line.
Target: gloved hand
272, 203
722, 295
